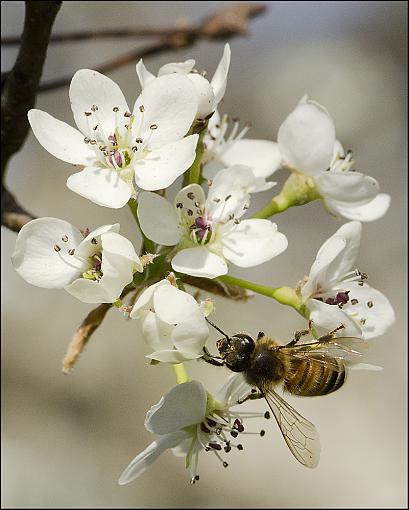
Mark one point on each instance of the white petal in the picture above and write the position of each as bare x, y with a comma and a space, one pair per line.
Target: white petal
306, 138
59, 139
263, 156
369, 211
143, 74
199, 262
172, 356
142, 461
378, 316
119, 246
89, 88
205, 95
173, 305
156, 333
232, 390
158, 219
212, 168
170, 103
35, 259
89, 291
92, 244
102, 186
177, 67
219, 80
184, 405
145, 300
190, 335
253, 242
328, 317
162, 166
347, 187
186, 199
229, 193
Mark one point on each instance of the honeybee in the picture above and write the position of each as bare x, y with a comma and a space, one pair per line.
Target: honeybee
303, 369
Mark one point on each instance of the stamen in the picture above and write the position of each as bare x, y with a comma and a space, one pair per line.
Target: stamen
87, 114
94, 241
354, 301
87, 140
153, 127
71, 252
370, 304
64, 238
94, 108
57, 248
127, 114
115, 109
267, 415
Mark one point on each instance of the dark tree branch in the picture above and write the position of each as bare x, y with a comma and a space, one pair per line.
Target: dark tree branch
219, 288
19, 89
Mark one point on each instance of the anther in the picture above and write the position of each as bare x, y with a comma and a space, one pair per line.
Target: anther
238, 425
87, 114
95, 127
267, 415
141, 108
87, 140
227, 448
354, 301
64, 238
126, 126
240, 447
115, 109
94, 241
253, 390
234, 433
211, 422
94, 108
262, 433
138, 140
362, 321
194, 479
93, 142
191, 195
227, 198
197, 204
127, 114
216, 200
204, 428
215, 446
134, 148
225, 464
190, 212
370, 304
179, 205
153, 127
236, 221
57, 248
71, 252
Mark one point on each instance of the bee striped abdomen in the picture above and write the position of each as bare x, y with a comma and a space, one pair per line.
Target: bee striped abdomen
310, 378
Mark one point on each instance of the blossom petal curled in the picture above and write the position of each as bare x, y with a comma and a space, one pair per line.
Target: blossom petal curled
190, 335
144, 75
199, 262
177, 67
142, 461
263, 156
346, 187
328, 317
41, 256
233, 390
162, 166
102, 186
145, 301
183, 405
253, 242
173, 356
156, 332
368, 211
306, 138
158, 219
219, 80
60, 139
173, 305
91, 90
169, 103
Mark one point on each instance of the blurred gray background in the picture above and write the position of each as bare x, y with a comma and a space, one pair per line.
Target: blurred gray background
66, 439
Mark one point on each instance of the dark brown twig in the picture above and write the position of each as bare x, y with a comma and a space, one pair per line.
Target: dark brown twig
219, 288
19, 89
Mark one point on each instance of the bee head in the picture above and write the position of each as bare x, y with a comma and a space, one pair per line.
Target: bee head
236, 351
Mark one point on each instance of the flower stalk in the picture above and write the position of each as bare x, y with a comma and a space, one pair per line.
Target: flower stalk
180, 373
193, 175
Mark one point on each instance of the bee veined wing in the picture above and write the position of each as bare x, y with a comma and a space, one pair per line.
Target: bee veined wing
346, 348
300, 434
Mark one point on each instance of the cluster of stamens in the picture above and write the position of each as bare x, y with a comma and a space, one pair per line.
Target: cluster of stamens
218, 137
343, 163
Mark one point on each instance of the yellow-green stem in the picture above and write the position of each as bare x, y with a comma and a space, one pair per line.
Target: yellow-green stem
284, 295
277, 204
193, 175
181, 374
149, 245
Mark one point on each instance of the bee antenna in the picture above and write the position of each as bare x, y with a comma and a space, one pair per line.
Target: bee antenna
218, 329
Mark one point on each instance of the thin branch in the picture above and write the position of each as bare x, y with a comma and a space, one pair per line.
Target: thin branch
13, 216
19, 89
226, 23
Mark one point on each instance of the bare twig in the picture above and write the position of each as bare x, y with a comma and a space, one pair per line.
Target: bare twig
19, 89
83, 334
219, 288
226, 23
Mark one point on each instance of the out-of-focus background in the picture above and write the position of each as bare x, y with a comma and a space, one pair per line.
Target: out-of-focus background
66, 439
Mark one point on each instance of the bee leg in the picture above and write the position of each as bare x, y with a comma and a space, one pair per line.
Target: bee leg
330, 335
297, 336
253, 395
213, 360
260, 335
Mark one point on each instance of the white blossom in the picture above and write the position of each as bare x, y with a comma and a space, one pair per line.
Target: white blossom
222, 151
308, 145
209, 231
172, 323
209, 94
53, 254
191, 421
335, 292
119, 149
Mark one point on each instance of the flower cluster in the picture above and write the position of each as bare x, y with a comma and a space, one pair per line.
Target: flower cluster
133, 156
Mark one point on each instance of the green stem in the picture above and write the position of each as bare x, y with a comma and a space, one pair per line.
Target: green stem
284, 295
193, 175
180, 372
277, 204
149, 245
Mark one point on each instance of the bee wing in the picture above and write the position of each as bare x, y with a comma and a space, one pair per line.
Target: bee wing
332, 362
300, 434
342, 347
